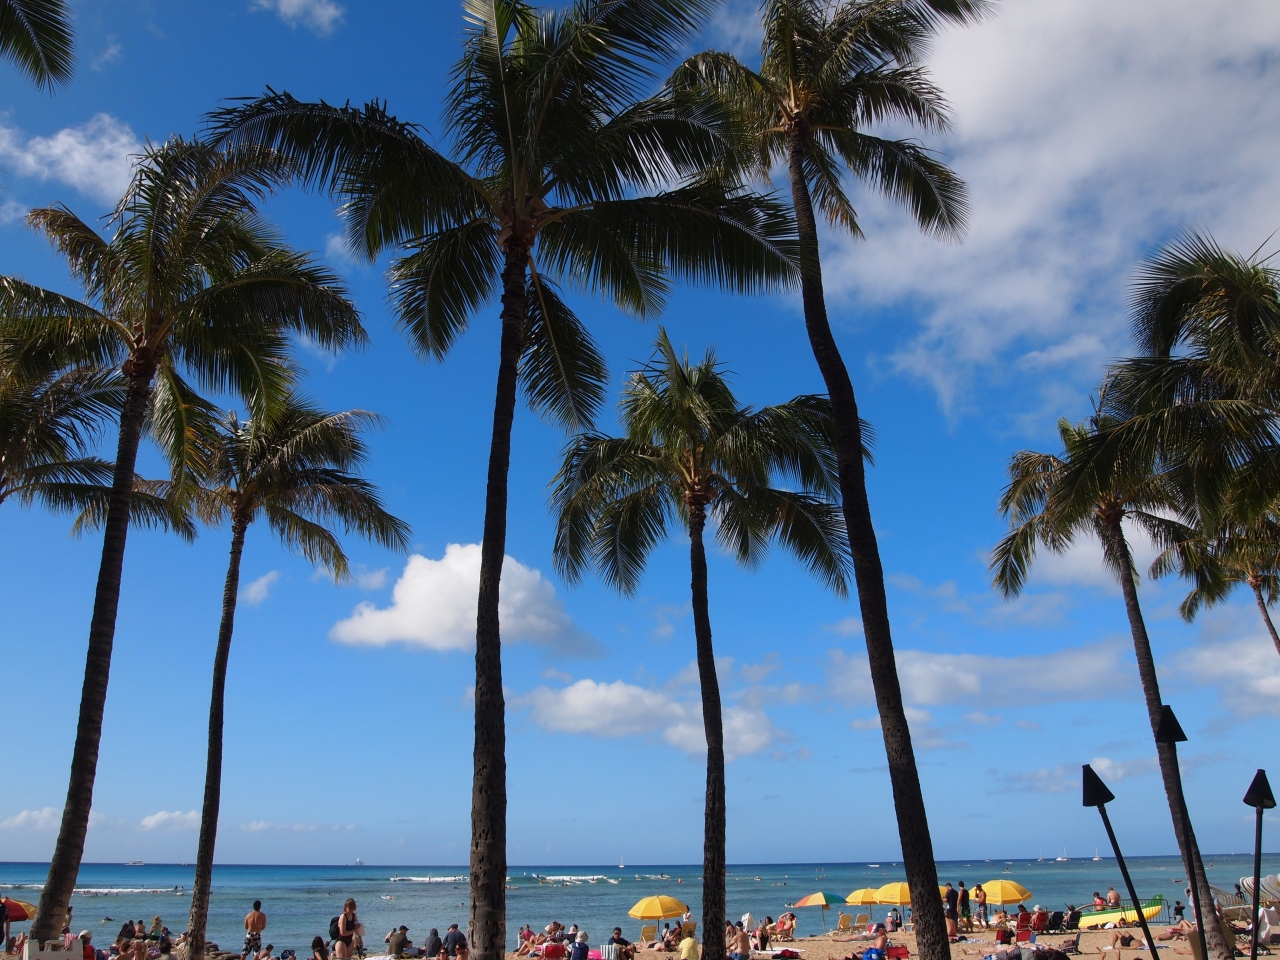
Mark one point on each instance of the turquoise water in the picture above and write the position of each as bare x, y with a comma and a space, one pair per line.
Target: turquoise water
299, 900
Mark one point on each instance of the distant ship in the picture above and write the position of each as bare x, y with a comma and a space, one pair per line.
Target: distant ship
621, 865
1096, 858
135, 863
359, 862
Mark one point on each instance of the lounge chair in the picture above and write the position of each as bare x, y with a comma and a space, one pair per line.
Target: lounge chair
648, 932
1040, 922
1024, 936
1055, 922
1073, 921
688, 928
1070, 945
1024, 921
610, 951
861, 920
844, 924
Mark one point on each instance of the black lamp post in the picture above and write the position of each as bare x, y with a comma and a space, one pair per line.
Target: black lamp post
1169, 732
1097, 795
1260, 798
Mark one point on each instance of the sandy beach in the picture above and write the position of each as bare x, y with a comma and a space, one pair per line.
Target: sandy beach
975, 945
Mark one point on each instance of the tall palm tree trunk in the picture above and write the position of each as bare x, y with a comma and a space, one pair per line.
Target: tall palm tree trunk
908, 800
488, 921
1266, 617
713, 836
67, 853
1166, 752
199, 916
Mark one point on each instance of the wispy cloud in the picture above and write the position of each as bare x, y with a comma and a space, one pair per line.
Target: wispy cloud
109, 56
257, 591
320, 16
171, 820
260, 826
46, 818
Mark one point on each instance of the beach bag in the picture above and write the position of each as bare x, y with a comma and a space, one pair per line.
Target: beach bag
334, 930
786, 955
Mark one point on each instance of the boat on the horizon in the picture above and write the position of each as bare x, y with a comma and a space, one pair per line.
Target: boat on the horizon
135, 863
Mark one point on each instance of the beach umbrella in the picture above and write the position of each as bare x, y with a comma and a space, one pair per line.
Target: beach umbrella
862, 898
821, 899
897, 893
20, 910
1005, 891
658, 908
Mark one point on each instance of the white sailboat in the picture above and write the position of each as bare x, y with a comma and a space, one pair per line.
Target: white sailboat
621, 865
1096, 858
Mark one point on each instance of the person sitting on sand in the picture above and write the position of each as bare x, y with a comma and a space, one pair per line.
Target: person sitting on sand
318, 950
626, 949
581, 947
878, 945
462, 952
740, 949
688, 945
432, 947
265, 952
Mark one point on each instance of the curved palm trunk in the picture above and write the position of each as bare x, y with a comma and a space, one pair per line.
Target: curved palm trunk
488, 920
1266, 617
65, 865
199, 916
713, 836
908, 800
1166, 752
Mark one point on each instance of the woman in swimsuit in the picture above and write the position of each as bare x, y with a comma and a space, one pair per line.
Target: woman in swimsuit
347, 924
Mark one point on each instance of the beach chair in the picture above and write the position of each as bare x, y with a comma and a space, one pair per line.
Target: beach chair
610, 951
1024, 936
861, 920
1055, 922
897, 952
845, 924
1071, 945
1024, 921
688, 928
1073, 921
648, 932
1039, 922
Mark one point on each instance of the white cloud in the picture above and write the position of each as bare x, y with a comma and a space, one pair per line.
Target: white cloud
930, 679
433, 605
1246, 671
257, 591
96, 158
171, 820
848, 627
1111, 770
321, 16
369, 579
109, 56
259, 826
620, 709
1087, 132
46, 818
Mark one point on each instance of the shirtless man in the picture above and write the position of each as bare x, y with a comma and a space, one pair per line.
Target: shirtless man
255, 921
740, 949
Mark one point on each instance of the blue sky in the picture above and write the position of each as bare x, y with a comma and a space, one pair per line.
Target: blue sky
1089, 134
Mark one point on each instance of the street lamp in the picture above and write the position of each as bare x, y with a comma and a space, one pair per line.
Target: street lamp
1169, 732
1260, 798
1097, 795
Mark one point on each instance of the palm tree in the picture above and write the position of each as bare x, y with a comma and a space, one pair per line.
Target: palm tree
1240, 552
828, 72
1050, 502
689, 449
190, 280
565, 169
48, 420
295, 471
37, 36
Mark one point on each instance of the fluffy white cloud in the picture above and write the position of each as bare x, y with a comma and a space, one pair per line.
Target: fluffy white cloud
320, 16
931, 679
1109, 769
1087, 132
1245, 670
96, 158
620, 709
257, 591
46, 818
171, 820
433, 605
1065, 778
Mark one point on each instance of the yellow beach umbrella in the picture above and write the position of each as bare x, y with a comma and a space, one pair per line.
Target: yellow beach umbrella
897, 893
1005, 891
658, 908
862, 898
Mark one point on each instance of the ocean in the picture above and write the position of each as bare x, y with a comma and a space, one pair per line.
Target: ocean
299, 900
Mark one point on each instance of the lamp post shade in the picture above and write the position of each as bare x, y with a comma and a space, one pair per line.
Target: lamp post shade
1169, 730
1259, 794
1096, 793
